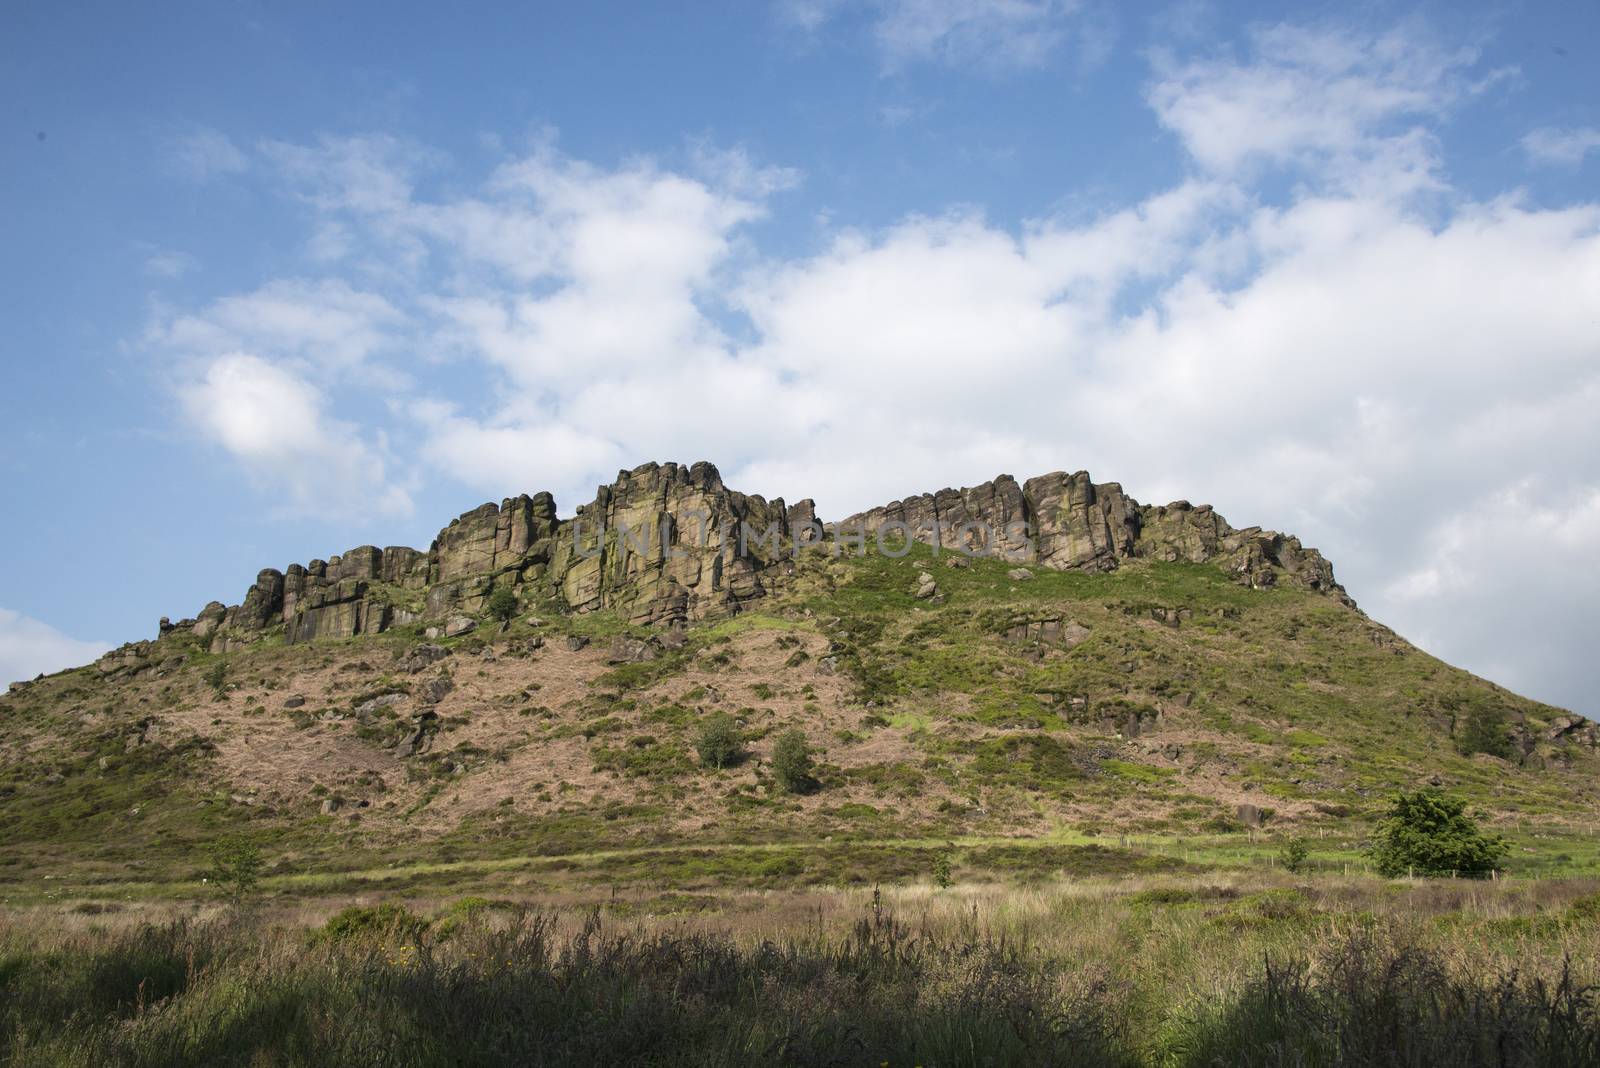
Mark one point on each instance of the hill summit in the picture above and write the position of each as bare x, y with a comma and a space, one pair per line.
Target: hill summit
682, 546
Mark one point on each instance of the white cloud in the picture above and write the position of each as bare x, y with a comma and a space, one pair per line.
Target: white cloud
1323, 95
201, 154
997, 35
1502, 568
29, 648
273, 422
991, 33
1550, 145
326, 323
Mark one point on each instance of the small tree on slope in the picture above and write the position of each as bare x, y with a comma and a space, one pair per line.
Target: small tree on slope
1430, 833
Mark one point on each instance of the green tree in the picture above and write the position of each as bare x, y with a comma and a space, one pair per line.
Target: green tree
1293, 855
502, 604
1431, 833
216, 677
1485, 731
235, 867
718, 741
791, 761
942, 877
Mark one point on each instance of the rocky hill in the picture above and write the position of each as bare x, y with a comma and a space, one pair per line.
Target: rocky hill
684, 547
1011, 659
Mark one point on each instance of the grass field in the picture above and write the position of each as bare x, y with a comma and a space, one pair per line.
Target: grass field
1173, 969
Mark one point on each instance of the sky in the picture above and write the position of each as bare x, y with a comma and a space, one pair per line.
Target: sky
286, 279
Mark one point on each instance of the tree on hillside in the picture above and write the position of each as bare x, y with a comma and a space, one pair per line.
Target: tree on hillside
502, 604
718, 741
1430, 833
791, 761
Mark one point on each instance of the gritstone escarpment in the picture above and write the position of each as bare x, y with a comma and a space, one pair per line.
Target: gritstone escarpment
668, 543
1003, 660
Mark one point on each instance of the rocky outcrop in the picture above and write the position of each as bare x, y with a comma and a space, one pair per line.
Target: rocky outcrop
669, 543
1070, 522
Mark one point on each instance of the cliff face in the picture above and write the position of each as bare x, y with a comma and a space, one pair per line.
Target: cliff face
669, 543
1069, 522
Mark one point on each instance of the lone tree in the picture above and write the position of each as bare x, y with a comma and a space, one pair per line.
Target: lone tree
791, 761
502, 604
718, 742
1431, 833
235, 867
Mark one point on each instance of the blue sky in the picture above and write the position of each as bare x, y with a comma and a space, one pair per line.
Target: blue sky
288, 279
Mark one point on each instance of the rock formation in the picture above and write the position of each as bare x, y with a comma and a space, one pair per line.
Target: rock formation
1068, 522
667, 543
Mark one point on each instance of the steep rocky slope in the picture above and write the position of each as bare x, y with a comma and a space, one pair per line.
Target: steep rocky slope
1120, 669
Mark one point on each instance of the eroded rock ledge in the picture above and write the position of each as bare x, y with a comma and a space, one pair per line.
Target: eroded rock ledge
684, 558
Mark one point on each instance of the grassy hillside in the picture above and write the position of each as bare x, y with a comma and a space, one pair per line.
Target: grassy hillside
1155, 717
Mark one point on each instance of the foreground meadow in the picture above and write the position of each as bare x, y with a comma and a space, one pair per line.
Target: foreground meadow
1228, 969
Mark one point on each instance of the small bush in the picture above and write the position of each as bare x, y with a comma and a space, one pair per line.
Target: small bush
374, 923
942, 877
1293, 855
718, 741
791, 761
1486, 730
502, 604
235, 867
216, 677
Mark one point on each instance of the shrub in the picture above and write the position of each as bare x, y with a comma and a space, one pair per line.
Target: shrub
718, 741
1293, 855
791, 761
1431, 833
235, 867
502, 604
216, 677
373, 923
1485, 732
941, 872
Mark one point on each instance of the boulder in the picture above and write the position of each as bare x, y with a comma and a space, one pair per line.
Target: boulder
382, 701
421, 656
626, 650
435, 690
456, 626
1019, 574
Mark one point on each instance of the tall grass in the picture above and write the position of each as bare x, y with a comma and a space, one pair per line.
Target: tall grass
1164, 976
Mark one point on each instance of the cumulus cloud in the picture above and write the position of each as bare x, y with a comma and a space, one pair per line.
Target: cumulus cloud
1550, 145
326, 323
1408, 384
1309, 95
29, 647
274, 423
